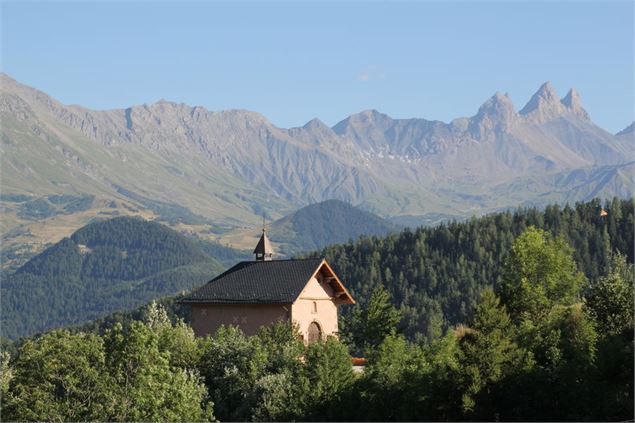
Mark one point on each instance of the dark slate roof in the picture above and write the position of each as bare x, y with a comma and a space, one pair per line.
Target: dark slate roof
257, 282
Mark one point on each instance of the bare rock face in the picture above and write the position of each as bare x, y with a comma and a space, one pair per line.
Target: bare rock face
573, 103
231, 165
496, 115
544, 105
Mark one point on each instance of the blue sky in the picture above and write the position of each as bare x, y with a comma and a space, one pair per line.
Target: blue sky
296, 61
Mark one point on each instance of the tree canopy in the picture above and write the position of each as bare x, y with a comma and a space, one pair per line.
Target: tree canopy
545, 340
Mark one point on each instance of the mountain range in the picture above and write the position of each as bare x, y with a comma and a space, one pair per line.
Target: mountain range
216, 173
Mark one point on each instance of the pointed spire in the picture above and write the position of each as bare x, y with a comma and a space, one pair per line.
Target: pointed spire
544, 106
574, 104
572, 99
545, 98
263, 250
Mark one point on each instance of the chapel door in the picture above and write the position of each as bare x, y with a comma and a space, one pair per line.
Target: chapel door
315, 333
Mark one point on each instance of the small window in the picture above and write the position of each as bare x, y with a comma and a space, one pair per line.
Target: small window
314, 307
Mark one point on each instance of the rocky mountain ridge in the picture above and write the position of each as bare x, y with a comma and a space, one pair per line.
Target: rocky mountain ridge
191, 166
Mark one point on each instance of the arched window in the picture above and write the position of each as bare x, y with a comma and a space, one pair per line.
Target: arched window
315, 332
314, 307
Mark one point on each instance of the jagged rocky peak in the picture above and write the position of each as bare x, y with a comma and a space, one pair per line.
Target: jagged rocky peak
365, 119
496, 114
316, 123
314, 128
573, 103
544, 105
572, 99
163, 106
371, 116
498, 105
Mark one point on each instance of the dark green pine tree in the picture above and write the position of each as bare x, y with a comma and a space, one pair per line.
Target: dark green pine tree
370, 324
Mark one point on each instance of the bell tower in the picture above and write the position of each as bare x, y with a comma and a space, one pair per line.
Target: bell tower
263, 250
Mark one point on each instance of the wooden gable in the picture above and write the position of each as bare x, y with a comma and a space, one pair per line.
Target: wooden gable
324, 273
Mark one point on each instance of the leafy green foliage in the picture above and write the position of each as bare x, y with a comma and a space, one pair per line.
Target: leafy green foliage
541, 288
279, 391
6, 375
59, 377
328, 375
231, 364
170, 305
391, 382
176, 339
147, 388
610, 299
123, 376
539, 273
273, 376
541, 363
537, 346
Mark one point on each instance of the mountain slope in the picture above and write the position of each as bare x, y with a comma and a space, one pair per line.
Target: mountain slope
313, 227
435, 274
103, 267
329, 222
212, 172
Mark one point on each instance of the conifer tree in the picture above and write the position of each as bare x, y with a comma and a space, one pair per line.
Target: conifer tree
369, 325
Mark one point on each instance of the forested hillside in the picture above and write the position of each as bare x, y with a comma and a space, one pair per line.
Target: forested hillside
326, 223
435, 274
543, 346
119, 264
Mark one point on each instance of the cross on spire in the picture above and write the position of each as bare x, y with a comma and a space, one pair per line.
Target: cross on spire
263, 250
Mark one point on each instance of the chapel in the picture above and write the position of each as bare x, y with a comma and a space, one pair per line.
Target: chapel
264, 291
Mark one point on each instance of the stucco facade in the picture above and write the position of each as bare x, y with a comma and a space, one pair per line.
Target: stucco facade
254, 294
207, 318
316, 304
